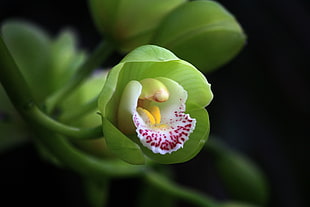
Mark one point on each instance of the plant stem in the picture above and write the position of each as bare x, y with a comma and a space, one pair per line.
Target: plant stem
18, 91
40, 118
84, 164
100, 54
97, 192
180, 192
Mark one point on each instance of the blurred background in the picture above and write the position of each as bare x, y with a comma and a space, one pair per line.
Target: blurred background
261, 107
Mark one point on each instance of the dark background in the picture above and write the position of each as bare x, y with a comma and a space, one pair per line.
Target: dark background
261, 106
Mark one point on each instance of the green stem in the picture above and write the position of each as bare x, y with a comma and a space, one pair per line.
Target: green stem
84, 164
97, 192
40, 118
101, 53
178, 191
18, 91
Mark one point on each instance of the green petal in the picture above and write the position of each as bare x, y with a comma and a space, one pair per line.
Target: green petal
148, 53
197, 87
150, 62
121, 145
108, 90
191, 147
127, 106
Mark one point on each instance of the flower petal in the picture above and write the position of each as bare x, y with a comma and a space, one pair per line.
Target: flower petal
121, 145
175, 127
165, 138
127, 106
192, 146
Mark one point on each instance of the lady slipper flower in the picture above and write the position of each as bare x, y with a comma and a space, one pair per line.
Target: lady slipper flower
153, 104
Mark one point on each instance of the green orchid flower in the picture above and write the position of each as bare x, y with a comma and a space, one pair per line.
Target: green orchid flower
153, 104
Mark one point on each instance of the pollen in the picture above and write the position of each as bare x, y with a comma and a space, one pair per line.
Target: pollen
152, 114
155, 111
148, 115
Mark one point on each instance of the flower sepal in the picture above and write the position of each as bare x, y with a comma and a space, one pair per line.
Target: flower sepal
120, 145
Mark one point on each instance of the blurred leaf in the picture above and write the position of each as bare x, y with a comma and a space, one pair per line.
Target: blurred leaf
152, 196
241, 177
66, 58
235, 204
96, 192
10, 136
12, 128
84, 113
30, 48
46, 63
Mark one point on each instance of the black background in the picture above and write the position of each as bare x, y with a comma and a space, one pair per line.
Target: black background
261, 107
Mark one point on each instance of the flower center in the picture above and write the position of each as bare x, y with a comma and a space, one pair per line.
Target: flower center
152, 91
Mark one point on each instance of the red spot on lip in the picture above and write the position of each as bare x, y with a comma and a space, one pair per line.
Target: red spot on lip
167, 139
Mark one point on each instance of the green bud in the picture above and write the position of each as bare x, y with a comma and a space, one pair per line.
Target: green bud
130, 23
201, 32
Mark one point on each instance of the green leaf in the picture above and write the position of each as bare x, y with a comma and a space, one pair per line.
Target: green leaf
241, 177
46, 64
30, 47
11, 136
121, 145
201, 32
12, 128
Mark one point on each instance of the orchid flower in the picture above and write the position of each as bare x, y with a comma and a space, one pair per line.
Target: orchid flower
153, 104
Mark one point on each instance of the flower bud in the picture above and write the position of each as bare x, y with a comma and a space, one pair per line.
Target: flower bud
130, 23
201, 32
